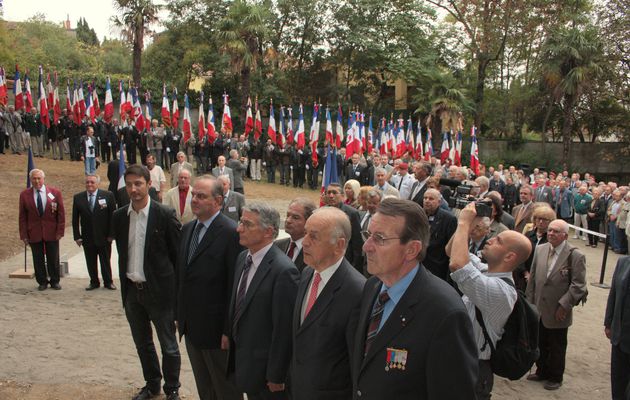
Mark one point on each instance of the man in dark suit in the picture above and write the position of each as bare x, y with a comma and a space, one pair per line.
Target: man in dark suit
205, 263
147, 239
617, 329
414, 337
233, 202
334, 198
357, 171
298, 212
327, 305
42, 222
443, 225
238, 168
543, 192
92, 212
422, 172
263, 295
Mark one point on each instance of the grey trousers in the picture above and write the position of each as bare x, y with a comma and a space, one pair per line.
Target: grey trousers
209, 368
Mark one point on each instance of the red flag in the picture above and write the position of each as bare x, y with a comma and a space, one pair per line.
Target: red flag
56, 103
82, 106
3, 87
166, 112
28, 97
290, 133
227, 117
446, 149
123, 100
42, 103
148, 116
95, 102
109, 102
300, 139
474, 151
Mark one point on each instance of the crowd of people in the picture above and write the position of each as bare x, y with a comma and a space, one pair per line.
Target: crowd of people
392, 287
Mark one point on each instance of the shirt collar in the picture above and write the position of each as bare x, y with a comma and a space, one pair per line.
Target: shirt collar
144, 211
330, 271
298, 243
258, 256
399, 288
43, 189
209, 221
560, 247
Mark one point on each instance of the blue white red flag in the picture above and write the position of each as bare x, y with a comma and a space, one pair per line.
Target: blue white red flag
187, 125
212, 130
271, 128
474, 151
109, 102
201, 125
17, 90
42, 102
28, 97
175, 119
166, 110
300, 139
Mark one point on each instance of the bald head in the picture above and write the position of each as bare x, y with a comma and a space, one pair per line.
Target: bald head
506, 251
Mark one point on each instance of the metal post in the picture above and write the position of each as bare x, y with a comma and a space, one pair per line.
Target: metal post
601, 283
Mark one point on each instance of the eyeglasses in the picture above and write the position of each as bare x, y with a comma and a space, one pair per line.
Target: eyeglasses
377, 237
543, 219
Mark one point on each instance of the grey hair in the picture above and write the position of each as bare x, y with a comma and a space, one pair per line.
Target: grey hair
267, 215
380, 170
34, 171
233, 152
224, 177
98, 178
374, 193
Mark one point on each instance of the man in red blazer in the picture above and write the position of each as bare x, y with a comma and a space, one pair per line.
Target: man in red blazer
42, 223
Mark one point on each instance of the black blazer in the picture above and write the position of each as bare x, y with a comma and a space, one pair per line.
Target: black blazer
443, 227
283, 244
92, 226
323, 342
160, 252
113, 175
205, 283
260, 348
616, 314
360, 174
431, 323
419, 197
354, 251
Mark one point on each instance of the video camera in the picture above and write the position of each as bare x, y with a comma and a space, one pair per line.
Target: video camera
461, 198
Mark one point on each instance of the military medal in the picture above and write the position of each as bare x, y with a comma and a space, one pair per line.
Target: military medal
396, 359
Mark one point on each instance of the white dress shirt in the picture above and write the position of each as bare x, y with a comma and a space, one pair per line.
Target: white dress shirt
298, 247
257, 258
43, 195
325, 275
137, 238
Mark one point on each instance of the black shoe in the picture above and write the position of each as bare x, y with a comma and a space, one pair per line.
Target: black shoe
92, 287
552, 385
42, 287
145, 394
535, 378
55, 286
173, 396
111, 286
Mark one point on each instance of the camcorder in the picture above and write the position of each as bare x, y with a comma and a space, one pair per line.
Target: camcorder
461, 197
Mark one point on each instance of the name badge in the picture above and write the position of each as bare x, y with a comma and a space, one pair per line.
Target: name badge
50, 196
102, 203
396, 359
232, 209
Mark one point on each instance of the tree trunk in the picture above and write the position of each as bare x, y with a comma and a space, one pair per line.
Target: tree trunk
245, 83
567, 127
137, 55
481, 82
543, 133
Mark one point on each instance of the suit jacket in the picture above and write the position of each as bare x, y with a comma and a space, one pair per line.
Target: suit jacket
322, 343
565, 285
443, 227
113, 175
431, 324
419, 197
160, 252
233, 205
176, 168
171, 199
544, 194
237, 168
360, 174
260, 349
92, 226
563, 203
205, 282
389, 191
48, 227
354, 251
616, 313
226, 171
519, 223
283, 244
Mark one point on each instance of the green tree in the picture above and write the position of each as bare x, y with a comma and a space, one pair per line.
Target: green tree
85, 34
241, 36
135, 20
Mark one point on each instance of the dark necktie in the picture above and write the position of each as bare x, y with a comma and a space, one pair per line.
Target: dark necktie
194, 241
291, 251
40, 204
400, 182
473, 248
91, 201
366, 223
375, 319
242, 290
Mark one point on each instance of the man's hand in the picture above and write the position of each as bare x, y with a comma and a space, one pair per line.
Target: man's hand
79, 242
275, 387
561, 313
225, 342
468, 214
607, 332
25, 241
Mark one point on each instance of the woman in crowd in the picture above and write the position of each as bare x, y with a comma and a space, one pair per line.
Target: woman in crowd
594, 216
351, 189
362, 197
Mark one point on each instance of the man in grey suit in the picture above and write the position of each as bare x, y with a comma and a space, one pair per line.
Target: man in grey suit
178, 166
238, 169
556, 284
299, 211
617, 329
327, 304
233, 202
543, 193
261, 307
221, 169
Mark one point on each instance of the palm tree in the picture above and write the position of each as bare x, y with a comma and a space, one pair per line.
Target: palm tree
572, 58
134, 20
241, 35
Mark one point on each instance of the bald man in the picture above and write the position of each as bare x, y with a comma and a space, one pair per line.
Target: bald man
488, 287
556, 284
443, 224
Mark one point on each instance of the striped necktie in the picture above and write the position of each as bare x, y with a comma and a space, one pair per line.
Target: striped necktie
375, 319
242, 290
